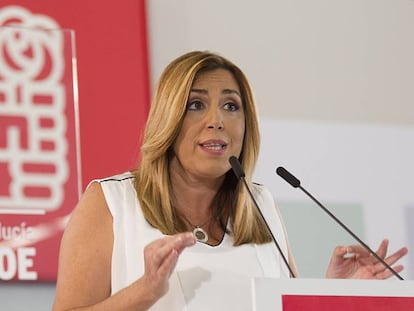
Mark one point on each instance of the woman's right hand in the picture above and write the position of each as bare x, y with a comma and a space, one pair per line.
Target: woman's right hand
160, 259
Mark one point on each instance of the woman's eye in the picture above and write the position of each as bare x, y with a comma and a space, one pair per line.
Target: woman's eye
231, 106
195, 105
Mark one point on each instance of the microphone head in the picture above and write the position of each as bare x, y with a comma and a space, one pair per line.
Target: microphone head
292, 180
236, 167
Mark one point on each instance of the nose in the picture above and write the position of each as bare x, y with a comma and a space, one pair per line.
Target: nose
215, 120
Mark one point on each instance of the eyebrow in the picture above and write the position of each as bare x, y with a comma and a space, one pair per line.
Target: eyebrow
225, 91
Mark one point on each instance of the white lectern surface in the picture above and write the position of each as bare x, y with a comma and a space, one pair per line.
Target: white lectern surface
269, 293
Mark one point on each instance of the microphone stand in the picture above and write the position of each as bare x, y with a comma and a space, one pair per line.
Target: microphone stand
238, 171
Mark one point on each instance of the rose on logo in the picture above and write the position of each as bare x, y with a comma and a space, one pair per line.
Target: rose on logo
29, 46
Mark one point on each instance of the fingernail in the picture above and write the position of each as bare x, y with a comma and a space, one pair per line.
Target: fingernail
190, 238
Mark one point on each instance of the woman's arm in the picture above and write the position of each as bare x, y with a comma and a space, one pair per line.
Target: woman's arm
84, 275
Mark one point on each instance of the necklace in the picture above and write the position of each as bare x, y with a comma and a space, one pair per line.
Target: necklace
199, 233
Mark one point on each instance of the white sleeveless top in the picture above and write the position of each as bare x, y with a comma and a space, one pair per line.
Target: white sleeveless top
206, 277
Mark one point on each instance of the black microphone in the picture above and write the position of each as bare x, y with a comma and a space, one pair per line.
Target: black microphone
238, 171
295, 183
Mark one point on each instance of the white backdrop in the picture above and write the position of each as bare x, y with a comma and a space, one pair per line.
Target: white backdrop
352, 165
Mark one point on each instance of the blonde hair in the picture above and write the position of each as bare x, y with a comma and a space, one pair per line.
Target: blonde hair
164, 122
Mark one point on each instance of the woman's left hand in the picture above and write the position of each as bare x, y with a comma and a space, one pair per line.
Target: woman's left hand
355, 262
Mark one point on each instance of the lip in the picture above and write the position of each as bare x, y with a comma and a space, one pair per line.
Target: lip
214, 146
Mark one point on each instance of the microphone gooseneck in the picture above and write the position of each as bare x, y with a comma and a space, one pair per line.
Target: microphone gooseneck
294, 182
238, 171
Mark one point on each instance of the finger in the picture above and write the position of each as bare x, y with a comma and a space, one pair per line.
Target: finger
357, 250
383, 271
383, 248
388, 273
157, 251
180, 242
168, 265
338, 253
393, 258
184, 240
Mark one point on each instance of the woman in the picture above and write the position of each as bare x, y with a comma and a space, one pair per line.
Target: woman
131, 243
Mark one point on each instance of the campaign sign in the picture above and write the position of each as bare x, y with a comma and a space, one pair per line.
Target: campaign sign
39, 153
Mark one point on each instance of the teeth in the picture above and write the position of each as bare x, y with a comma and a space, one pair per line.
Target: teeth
215, 147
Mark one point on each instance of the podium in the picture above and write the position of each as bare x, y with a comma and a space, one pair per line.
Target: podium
331, 294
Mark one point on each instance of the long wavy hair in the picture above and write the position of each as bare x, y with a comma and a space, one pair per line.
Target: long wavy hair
167, 111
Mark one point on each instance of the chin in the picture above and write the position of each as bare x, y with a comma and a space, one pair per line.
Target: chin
215, 171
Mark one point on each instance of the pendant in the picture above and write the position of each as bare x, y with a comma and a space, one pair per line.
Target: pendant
200, 234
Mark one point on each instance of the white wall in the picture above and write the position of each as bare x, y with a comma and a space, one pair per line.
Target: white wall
345, 60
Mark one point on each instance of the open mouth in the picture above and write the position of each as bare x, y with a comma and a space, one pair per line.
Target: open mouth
214, 146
